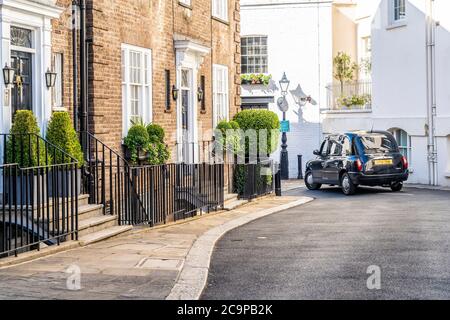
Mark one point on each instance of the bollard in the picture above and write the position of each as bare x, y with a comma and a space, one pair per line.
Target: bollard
278, 182
300, 167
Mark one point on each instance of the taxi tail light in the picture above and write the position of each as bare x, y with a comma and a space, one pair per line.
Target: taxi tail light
405, 163
359, 165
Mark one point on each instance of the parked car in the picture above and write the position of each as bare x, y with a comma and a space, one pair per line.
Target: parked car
358, 158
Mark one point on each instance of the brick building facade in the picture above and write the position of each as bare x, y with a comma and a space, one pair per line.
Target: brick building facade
138, 52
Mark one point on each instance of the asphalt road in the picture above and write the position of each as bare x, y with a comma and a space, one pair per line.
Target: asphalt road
323, 250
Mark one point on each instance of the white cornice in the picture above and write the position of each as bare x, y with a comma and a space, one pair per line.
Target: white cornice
45, 8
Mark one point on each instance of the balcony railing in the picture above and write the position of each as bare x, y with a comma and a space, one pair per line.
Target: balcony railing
350, 97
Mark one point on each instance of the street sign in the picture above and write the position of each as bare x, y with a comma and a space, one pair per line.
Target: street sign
283, 104
285, 126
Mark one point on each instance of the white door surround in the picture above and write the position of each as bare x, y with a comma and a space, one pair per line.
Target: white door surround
189, 56
36, 16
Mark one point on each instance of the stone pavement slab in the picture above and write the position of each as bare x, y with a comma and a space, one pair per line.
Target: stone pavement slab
145, 264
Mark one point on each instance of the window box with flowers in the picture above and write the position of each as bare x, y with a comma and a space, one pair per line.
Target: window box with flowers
355, 101
255, 79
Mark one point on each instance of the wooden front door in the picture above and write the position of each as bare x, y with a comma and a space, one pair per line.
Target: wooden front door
22, 91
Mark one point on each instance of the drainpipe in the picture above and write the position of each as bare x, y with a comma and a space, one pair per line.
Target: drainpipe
431, 94
83, 76
75, 64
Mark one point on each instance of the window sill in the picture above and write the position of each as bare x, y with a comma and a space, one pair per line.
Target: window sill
221, 20
187, 6
447, 174
203, 112
397, 24
57, 109
167, 111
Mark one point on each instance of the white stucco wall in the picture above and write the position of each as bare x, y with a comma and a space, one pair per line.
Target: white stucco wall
399, 75
300, 44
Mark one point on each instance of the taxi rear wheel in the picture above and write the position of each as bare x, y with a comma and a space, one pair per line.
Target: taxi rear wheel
348, 187
397, 187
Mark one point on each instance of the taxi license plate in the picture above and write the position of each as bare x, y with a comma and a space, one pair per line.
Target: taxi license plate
387, 162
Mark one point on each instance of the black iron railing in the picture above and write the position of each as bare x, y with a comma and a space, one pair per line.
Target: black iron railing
172, 191
254, 180
145, 194
38, 194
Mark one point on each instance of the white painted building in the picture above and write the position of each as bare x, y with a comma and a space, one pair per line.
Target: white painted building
293, 37
410, 49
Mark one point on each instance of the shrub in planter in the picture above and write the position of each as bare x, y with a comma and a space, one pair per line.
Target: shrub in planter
155, 132
158, 151
228, 138
260, 120
27, 150
62, 135
136, 142
22, 149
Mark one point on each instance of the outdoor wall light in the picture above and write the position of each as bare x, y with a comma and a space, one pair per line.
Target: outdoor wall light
200, 94
8, 75
50, 79
175, 93
284, 84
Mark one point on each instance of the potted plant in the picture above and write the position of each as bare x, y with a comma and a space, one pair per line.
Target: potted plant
158, 151
255, 79
25, 148
344, 69
136, 144
62, 135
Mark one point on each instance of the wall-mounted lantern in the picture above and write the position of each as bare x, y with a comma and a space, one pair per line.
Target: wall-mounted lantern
8, 75
200, 94
175, 93
50, 79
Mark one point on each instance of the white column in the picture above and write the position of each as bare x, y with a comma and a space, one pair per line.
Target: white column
5, 58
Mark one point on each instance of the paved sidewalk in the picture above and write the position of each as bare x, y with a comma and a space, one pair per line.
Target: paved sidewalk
143, 265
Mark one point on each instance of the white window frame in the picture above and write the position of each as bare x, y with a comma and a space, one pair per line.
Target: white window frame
221, 101
144, 83
254, 67
58, 90
220, 9
395, 18
185, 2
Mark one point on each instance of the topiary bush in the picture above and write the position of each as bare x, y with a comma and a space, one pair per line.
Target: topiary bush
260, 120
23, 144
137, 140
61, 133
156, 133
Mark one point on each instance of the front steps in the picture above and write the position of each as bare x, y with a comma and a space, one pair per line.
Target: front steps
94, 226
232, 201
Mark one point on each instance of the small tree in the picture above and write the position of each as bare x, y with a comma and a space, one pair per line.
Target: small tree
344, 68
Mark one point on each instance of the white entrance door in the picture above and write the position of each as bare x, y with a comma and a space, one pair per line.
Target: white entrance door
187, 119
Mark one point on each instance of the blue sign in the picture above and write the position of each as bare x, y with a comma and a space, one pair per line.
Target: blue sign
285, 126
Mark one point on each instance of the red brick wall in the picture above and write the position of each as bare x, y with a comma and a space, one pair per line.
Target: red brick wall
149, 24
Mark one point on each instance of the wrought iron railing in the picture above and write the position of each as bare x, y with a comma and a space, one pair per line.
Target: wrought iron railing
254, 180
149, 194
38, 194
350, 96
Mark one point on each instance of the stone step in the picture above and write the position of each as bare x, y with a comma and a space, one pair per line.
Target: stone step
89, 211
95, 224
230, 197
104, 234
231, 205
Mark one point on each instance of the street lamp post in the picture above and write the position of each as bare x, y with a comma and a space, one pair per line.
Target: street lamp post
284, 107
